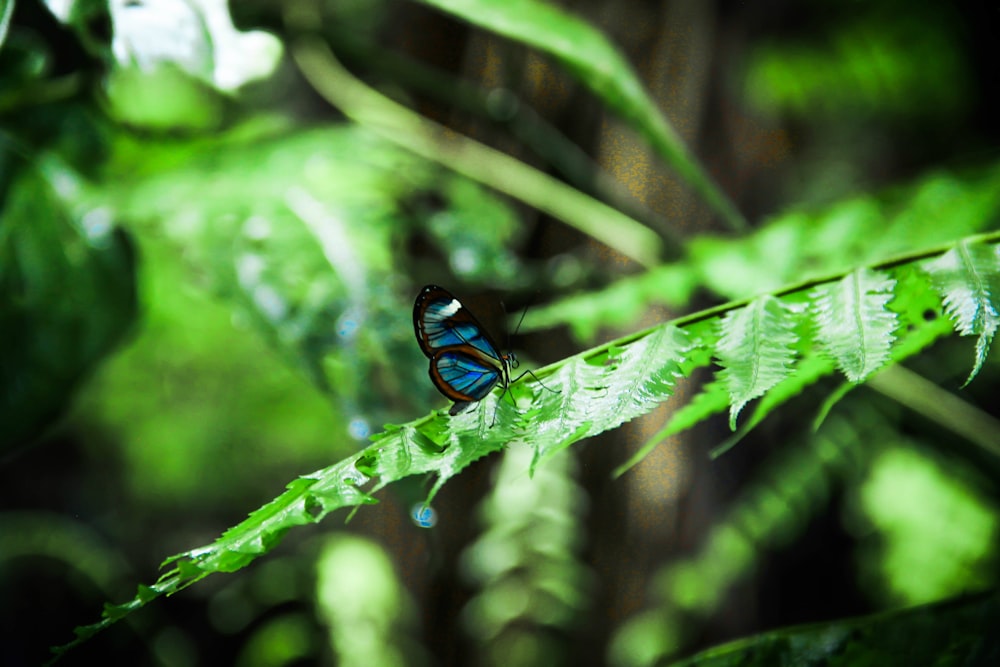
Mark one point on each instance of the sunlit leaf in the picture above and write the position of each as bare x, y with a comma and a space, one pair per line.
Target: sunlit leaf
808, 370
967, 278
6, 11
600, 66
853, 324
756, 350
197, 36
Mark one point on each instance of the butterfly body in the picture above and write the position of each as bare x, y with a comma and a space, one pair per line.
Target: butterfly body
465, 363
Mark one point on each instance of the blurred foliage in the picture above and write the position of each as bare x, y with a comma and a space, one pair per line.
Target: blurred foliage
926, 551
890, 60
533, 592
799, 245
933, 635
773, 510
168, 392
166, 175
597, 64
301, 231
67, 294
368, 611
863, 451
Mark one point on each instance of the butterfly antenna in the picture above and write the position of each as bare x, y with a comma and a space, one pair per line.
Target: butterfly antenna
506, 331
520, 321
528, 372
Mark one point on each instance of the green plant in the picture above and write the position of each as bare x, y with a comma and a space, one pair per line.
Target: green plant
302, 232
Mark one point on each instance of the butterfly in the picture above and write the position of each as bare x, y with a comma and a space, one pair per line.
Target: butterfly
465, 362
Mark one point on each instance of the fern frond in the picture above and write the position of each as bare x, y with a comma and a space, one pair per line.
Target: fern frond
622, 384
619, 304
775, 505
966, 277
756, 350
808, 370
712, 399
757, 343
853, 324
532, 530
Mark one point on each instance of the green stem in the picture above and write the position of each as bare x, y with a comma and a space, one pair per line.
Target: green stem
942, 407
469, 158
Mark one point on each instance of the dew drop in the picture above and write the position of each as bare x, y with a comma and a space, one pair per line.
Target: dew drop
423, 515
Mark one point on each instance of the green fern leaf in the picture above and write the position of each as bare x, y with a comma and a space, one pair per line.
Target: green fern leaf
966, 277
854, 326
758, 346
587, 395
756, 350
808, 370
618, 386
711, 399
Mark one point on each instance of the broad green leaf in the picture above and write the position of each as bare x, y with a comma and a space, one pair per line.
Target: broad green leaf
597, 64
6, 11
853, 324
756, 350
956, 632
300, 233
967, 278
67, 296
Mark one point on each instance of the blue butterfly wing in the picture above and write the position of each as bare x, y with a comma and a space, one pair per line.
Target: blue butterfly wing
440, 320
464, 377
465, 362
